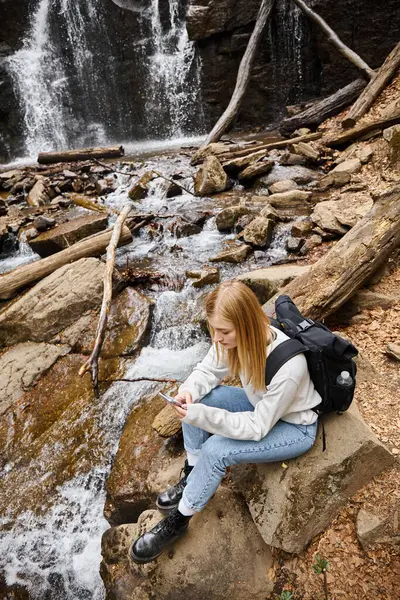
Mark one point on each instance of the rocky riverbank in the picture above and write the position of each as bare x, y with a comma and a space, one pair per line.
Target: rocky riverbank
243, 209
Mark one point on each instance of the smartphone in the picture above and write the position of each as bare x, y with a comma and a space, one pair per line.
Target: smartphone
171, 400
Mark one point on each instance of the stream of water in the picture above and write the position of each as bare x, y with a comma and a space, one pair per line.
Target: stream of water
56, 554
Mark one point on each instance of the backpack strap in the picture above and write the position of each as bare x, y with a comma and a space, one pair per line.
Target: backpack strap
280, 355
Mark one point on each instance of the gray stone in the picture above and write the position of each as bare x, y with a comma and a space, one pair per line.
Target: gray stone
67, 234
41, 223
53, 303
227, 218
306, 150
301, 228
259, 232
337, 216
393, 350
193, 565
293, 244
365, 154
310, 243
291, 159
235, 254
22, 365
392, 136
297, 173
210, 178
267, 281
370, 528
293, 503
294, 202
256, 169
283, 186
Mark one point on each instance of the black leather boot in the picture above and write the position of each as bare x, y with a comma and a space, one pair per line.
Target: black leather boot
169, 499
153, 543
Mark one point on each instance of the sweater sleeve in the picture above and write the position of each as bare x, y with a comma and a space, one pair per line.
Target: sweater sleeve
206, 376
251, 425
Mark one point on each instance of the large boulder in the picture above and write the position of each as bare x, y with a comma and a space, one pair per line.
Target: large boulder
293, 202
67, 234
208, 562
259, 232
291, 503
210, 178
127, 326
337, 216
267, 281
53, 303
234, 254
21, 367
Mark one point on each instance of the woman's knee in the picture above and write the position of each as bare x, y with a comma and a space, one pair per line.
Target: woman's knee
222, 396
214, 452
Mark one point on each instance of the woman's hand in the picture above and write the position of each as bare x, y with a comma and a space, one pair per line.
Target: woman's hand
185, 398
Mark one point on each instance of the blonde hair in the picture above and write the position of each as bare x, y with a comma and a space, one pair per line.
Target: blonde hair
233, 301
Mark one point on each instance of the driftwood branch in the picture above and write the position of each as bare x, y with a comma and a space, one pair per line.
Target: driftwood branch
374, 88
174, 182
166, 380
46, 158
92, 363
243, 74
323, 109
361, 131
352, 56
337, 275
94, 245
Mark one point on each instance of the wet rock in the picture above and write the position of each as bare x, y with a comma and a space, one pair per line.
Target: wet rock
293, 244
69, 174
167, 423
140, 188
392, 136
291, 505
227, 218
393, 350
210, 178
269, 213
225, 526
130, 486
7, 175
294, 202
267, 281
67, 234
310, 243
259, 232
53, 303
127, 327
299, 174
235, 254
283, 186
256, 170
37, 196
173, 190
301, 228
21, 367
337, 216
42, 223
370, 528
104, 186
291, 159
207, 276
243, 221
182, 228
30, 234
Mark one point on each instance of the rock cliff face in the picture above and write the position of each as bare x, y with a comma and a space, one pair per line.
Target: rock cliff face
294, 62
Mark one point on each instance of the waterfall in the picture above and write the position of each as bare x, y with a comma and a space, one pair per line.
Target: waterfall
75, 89
173, 74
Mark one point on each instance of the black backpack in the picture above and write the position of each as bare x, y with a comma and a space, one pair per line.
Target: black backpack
327, 356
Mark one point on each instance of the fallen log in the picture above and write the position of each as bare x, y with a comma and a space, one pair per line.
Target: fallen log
46, 158
309, 137
94, 245
336, 276
360, 131
92, 363
374, 88
347, 52
85, 202
323, 109
243, 76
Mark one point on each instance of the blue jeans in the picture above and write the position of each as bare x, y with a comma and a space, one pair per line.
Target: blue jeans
216, 453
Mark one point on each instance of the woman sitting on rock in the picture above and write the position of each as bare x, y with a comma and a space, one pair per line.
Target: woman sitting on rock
224, 425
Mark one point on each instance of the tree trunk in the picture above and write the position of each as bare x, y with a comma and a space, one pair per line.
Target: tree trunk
360, 131
352, 56
243, 74
94, 245
374, 88
337, 275
228, 156
323, 109
46, 158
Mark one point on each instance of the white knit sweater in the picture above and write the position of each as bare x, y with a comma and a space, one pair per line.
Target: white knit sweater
290, 396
